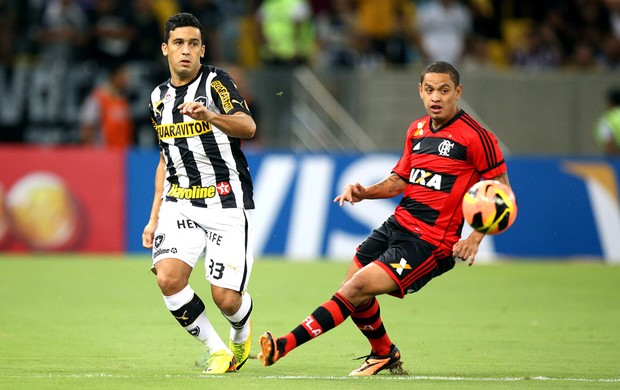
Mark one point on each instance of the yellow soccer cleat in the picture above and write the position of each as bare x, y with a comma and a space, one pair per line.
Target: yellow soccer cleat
221, 362
241, 350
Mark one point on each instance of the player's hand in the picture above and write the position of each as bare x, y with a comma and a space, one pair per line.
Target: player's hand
196, 110
467, 249
352, 193
148, 234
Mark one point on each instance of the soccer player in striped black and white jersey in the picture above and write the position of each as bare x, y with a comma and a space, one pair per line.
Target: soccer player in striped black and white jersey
203, 188
445, 153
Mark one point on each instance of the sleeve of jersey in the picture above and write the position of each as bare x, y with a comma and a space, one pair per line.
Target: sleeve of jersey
403, 167
152, 115
225, 95
487, 155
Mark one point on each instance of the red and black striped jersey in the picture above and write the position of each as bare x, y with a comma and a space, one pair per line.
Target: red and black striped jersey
204, 166
440, 165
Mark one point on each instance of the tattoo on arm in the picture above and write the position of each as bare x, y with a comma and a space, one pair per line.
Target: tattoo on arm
387, 188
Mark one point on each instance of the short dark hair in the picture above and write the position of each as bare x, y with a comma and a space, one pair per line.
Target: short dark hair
183, 19
442, 67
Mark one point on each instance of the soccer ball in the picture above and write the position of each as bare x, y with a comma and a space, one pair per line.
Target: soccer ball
490, 207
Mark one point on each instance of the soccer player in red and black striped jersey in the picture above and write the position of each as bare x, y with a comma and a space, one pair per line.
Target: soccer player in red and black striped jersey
445, 153
202, 191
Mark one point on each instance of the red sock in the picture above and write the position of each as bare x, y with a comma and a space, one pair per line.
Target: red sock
368, 319
327, 316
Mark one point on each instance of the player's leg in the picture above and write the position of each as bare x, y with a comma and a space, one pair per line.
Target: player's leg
411, 263
185, 305
367, 316
327, 316
186, 243
229, 266
236, 308
365, 284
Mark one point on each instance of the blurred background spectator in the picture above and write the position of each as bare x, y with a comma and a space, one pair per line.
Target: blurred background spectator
105, 117
335, 35
443, 26
8, 20
148, 33
384, 31
61, 32
610, 54
607, 128
539, 50
613, 7
112, 31
287, 32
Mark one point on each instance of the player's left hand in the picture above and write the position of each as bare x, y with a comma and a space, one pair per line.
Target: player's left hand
467, 249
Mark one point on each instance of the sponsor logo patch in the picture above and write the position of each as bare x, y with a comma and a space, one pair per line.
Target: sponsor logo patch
223, 188
400, 266
183, 130
159, 240
224, 95
194, 192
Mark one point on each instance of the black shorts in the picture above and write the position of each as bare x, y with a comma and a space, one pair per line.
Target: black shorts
409, 260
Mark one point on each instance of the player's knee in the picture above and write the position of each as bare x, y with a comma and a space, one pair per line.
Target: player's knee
228, 301
170, 284
355, 291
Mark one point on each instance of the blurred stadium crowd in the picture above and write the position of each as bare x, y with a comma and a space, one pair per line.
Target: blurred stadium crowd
531, 35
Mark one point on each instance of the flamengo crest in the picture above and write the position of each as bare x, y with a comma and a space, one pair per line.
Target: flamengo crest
445, 147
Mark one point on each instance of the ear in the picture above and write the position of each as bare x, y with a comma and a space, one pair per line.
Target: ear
420, 90
164, 49
202, 51
459, 89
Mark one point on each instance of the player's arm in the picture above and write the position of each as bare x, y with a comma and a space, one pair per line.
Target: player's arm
467, 249
238, 125
389, 187
503, 178
234, 118
149, 230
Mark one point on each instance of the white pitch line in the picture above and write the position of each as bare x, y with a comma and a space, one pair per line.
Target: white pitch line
376, 378
444, 378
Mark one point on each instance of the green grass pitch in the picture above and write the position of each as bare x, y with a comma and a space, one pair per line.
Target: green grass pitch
70, 322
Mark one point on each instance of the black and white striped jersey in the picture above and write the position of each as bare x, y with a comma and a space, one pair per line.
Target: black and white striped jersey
204, 166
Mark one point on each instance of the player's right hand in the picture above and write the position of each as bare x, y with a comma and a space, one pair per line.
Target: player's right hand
352, 193
148, 234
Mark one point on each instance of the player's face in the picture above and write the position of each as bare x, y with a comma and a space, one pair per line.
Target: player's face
184, 50
439, 95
